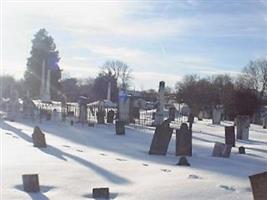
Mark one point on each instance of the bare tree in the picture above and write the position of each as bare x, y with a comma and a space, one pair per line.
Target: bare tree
255, 76
119, 70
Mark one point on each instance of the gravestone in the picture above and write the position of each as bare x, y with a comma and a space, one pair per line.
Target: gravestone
30, 183
221, 150
183, 162
259, 185
161, 139
242, 127
230, 135
190, 120
241, 150
216, 115
38, 138
101, 193
120, 127
183, 141
100, 116
200, 116
172, 111
71, 122
110, 116
159, 115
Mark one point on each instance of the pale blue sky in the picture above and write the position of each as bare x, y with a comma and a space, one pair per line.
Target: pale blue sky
159, 40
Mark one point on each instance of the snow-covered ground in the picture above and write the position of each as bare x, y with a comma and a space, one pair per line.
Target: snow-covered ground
78, 159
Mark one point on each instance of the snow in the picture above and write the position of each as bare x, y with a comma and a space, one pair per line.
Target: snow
79, 159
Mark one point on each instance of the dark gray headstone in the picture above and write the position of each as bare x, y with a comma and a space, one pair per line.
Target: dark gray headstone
30, 183
101, 193
71, 122
100, 116
120, 127
183, 141
161, 139
183, 161
38, 138
172, 112
259, 185
221, 150
230, 135
242, 150
110, 116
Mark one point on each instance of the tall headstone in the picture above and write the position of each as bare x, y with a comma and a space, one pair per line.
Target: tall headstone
259, 185
242, 127
191, 120
183, 141
30, 183
172, 112
100, 115
124, 106
230, 135
161, 139
159, 116
216, 115
38, 138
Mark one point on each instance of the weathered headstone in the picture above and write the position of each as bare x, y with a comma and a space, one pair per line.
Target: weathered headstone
242, 127
120, 127
161, 139
190, 120
221, 150
183, 141
241, 150
200, 116
230, 135
30, 183
101, 193
159, 116
183, 161
110, 116
216, 115
172, 111
259, 185
71, 122
38, 138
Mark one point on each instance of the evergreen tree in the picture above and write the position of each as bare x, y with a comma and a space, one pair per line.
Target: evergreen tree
43, 50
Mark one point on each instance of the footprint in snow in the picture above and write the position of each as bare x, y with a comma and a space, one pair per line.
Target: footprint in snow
67, 146
226, 187
165, 170
79, 150
102, 154
193, 176
144, 164
121, 159
15, 136
8, 133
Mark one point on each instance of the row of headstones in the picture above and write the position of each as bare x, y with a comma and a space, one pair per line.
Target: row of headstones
31, 184
258, 183
162, 137
163, 133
